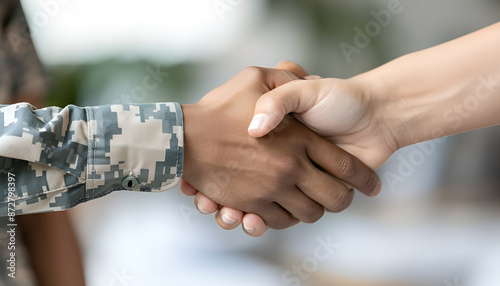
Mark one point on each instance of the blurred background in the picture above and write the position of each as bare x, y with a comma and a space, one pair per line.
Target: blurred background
437, 223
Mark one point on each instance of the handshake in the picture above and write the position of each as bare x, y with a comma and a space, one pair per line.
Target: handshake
280, 168
269, 148
291, 167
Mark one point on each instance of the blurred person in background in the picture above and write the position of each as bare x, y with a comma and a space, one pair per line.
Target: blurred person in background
45, 247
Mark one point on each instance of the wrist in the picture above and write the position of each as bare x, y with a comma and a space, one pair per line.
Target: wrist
384, 108
192, 123
402, 109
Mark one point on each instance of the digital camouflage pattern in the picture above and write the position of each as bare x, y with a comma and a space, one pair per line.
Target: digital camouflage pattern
61, 157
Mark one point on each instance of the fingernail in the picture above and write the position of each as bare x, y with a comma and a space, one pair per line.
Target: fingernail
249, 229
201, 209
227, 219
257, 121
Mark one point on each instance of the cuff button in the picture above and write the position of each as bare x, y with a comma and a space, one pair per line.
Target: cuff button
129, 182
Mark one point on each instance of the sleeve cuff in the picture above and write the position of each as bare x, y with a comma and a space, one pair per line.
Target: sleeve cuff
137, 147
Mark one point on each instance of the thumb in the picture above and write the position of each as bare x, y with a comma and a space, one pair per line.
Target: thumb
296, 96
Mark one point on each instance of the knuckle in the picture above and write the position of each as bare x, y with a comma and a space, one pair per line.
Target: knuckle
288, 165
341, 201
270, 98
281, 222
219, 195
312, 213
254, 71
370, 183
275, 102
259, 198
348, 166
284, 224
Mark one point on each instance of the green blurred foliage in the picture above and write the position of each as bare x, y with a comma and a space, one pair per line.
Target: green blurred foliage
112, 82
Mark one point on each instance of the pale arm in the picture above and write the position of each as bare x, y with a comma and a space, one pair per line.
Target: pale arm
443, 90
447, 89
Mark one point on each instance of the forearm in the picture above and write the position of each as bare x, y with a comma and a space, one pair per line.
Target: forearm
447, 89
53, 249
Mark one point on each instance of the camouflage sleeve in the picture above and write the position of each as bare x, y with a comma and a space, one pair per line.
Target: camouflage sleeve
55, 158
